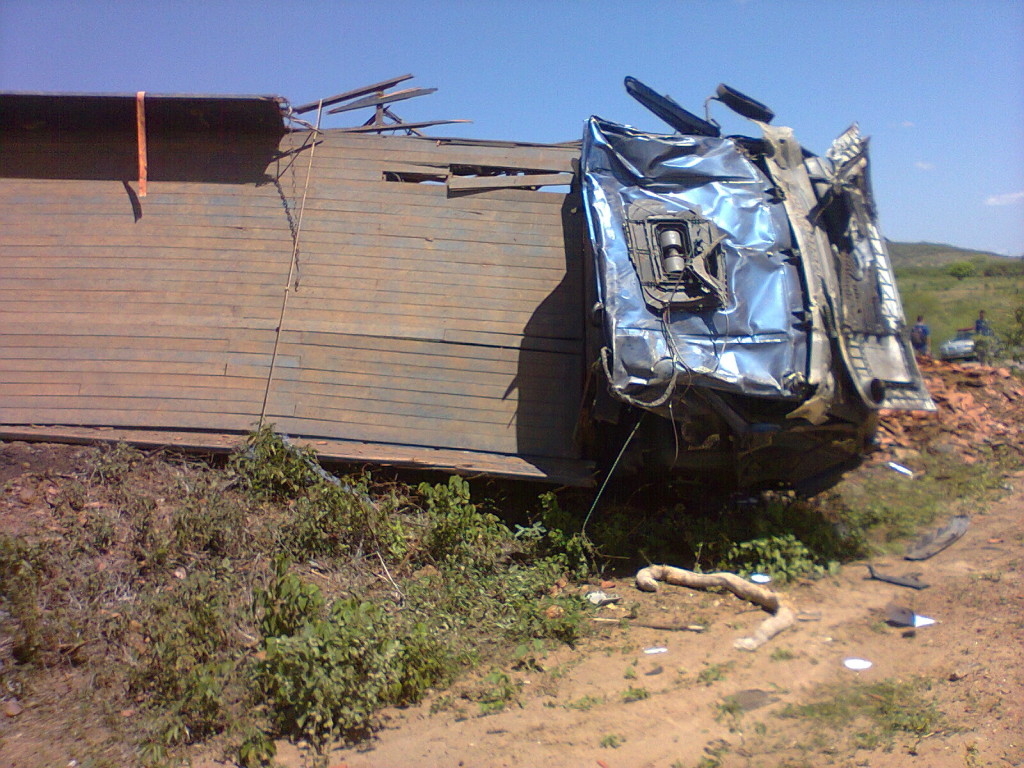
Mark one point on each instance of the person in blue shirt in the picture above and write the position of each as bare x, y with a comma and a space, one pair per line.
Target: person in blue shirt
921, 337
981, 326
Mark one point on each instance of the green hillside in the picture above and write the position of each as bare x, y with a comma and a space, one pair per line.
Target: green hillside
927, 277
936, 254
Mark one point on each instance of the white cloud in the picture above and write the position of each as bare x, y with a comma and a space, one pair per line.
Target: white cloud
925, 166
907, 124
1010, 198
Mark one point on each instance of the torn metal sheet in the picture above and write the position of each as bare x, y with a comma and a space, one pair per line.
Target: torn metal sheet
911, 580
732, 320
741, 291
931, 544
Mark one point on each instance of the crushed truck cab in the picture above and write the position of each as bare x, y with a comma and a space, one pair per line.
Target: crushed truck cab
742, 295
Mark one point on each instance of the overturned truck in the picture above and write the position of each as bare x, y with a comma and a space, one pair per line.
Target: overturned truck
180, 269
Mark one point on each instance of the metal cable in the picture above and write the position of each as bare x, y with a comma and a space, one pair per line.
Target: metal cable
291, 267
611, 471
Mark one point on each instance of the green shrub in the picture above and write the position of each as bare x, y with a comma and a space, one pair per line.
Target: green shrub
270, 469
188, 670
961, 269
457, 533
287, 604
330, 677
782, 557
209, 522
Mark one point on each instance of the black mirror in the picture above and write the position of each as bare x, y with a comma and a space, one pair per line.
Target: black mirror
742, 104
683, 121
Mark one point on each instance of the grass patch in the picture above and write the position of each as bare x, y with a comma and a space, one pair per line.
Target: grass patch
267, 599
873, 715
713, 673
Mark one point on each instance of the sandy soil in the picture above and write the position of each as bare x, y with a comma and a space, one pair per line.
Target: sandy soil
973, 655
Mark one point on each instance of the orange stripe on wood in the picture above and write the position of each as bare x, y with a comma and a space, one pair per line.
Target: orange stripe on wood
140, 116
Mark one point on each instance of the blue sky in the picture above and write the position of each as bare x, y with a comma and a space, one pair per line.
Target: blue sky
938, 85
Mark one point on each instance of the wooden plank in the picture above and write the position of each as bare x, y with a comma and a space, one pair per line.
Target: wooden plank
142, 417
335, 424
383, 85
462, 183
72, 320
324, 190
128, 403
64, 355
217, 367
315, 341
315, 228
463, 153
127, 379
381, 99
175, 211
366, 234
57, 340
504, 282
572, 471
404, 126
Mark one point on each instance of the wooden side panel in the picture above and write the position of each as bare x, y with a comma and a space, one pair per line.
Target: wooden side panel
154, 312
427, 318
416, 317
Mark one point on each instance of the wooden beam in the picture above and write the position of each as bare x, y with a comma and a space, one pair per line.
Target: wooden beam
399, 126
459, 183
372, 101
381, 86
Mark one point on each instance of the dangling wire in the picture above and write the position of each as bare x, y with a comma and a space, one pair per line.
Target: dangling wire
611, 471
292, 267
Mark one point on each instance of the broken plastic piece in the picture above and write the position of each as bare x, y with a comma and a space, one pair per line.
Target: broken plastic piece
900, 468
743, 105
857, 664
599, 598
655, 649
933, 543
760, 578
901, 616
910, 580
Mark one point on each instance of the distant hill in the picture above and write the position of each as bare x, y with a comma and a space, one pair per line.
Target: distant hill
935, 255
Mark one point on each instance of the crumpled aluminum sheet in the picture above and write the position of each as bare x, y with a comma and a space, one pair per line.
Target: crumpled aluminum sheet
751, 345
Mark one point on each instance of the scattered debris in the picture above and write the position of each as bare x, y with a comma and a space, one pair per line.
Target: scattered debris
752, 698
901, 616
933, 543
857, 665
978, 406
655, 649
760, 578
909, 580
782, 615
809, 616
600, 599
900, 468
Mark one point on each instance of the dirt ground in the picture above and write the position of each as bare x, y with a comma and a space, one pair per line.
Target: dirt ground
973, 658
646, 689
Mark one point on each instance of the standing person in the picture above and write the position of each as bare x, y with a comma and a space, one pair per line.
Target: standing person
921, 337
981, 326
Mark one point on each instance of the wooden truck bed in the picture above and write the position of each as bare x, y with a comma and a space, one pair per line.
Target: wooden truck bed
388, 299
